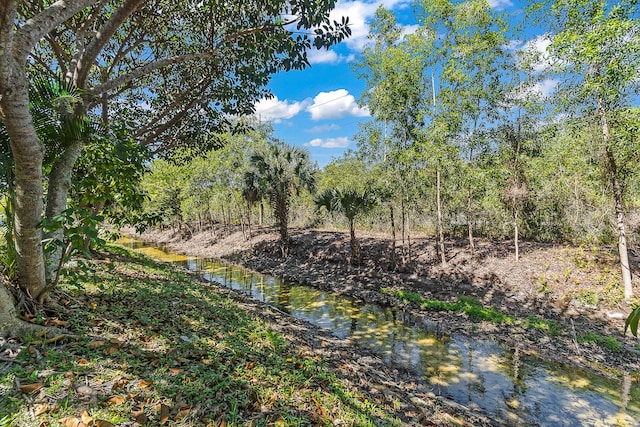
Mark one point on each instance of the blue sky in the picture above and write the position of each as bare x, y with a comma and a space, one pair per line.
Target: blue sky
317, 107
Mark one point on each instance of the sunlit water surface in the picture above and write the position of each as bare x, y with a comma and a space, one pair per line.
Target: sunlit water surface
514, 389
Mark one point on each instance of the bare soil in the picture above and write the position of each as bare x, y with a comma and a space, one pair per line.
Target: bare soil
576, 288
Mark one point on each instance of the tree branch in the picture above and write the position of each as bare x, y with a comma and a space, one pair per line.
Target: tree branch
36, 28
102, 38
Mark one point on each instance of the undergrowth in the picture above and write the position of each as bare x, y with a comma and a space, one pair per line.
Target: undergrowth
153, 347
475, 310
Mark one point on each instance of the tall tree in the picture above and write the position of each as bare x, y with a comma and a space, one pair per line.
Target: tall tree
181, 62
280, 171
595, 48
349, 203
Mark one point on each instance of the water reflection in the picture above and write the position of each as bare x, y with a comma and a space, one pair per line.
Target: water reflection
505, 385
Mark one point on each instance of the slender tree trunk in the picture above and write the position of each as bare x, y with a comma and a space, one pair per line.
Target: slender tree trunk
618, 202
392, 261
470, 223
516, 236
28, 154
443, 257
57, 195
402, 219
354, 243
261, 213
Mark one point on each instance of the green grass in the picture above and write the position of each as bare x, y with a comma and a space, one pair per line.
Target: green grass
152, 343
475, 310
610, 343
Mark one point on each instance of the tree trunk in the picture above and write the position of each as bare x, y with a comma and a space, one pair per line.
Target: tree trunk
392, 260
470, 223
28, 154
612, 168
57, 195
10, 325
354, 243
443, 257
516, 236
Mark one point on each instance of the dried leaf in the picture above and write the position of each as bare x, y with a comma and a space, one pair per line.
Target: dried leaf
83, 362
71, 422
139, 416
30, 388
145, 384
86, 418
119, 384
103, 423
57, 322
181, 414
175, 371
164, 413
55, 339
116, 400
96, 344
40, 408
111, 350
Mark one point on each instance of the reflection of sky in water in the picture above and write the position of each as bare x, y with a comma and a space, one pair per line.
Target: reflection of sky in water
516, 390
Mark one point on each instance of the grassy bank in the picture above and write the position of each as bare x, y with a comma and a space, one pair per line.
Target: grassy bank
154, 347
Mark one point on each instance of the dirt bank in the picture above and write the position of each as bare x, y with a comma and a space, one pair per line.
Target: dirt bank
574, 289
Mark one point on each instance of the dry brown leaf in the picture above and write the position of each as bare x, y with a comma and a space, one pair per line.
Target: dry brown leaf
40, 408
30, 388
57, 322
72, 422
119, 384
164, 413
175, 371
83, 362
116, 400
103, 423
111, 350
96, 344
181, 414
86, 418
97, 322
55, 339
145, 384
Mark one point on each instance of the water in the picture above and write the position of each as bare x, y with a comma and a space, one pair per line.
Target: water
505, 385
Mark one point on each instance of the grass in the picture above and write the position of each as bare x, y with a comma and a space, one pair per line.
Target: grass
610, 343
475, 310
156, 348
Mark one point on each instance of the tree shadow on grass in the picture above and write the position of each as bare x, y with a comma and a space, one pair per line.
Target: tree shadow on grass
154, 345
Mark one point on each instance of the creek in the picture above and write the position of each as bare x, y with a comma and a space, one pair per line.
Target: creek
512, 388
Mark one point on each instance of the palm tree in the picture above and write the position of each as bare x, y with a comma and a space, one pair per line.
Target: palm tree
349, 203
279, 171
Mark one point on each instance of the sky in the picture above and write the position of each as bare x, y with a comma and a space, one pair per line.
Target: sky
317, 108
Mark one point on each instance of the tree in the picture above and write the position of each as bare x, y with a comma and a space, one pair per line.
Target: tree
349, 203
595, 46
184, 64
279, 171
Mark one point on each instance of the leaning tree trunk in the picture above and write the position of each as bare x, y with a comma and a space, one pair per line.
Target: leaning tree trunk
28, 154
57, 194
612, 168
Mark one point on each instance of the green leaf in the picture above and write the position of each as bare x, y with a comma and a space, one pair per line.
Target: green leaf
632, 321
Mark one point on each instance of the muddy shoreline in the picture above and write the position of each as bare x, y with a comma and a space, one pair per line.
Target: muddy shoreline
319, 258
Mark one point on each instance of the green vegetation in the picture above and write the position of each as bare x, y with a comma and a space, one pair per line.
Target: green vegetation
474, 309
152, 344
610, 343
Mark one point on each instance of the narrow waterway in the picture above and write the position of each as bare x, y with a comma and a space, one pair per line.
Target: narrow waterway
514, 389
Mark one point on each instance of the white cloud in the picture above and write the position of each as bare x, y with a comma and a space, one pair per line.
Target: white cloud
360, 13
335, 104
500, 4
340, 142
324, 56
275, 110
534, 53
544, 88
323, 128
